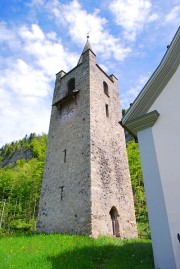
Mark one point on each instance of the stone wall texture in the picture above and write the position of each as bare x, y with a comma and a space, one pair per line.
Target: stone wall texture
86, 171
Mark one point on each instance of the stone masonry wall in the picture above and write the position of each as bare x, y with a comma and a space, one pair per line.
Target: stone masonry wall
65, 198
111, 185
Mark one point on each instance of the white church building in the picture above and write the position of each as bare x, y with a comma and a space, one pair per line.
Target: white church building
154, 119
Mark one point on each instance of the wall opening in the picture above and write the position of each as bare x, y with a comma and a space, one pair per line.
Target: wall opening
71, 85
105, 87
115, 223
107, 110
61, 194
65, 152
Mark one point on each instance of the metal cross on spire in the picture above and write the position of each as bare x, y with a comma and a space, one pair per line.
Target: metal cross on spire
88, 34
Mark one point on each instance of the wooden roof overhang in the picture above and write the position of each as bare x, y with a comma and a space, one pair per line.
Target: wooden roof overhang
67, 97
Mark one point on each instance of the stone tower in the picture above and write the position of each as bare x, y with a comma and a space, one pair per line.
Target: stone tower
86, 185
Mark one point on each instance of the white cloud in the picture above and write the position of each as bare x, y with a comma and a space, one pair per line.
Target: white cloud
27, 79
35, 3
25, 102
6, 34
21, 115
132, 15
47, 51
8, 37
33, 34
174, 15
79, 22
129, 96
153, 17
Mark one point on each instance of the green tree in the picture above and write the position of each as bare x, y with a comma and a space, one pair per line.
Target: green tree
137, 181
20, 184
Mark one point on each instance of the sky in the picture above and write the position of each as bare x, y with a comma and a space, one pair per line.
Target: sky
38, 38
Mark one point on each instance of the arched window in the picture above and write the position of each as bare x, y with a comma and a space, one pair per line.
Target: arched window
105, 86
115, 223
71, 85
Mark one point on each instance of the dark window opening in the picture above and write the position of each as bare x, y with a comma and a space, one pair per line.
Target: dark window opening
71, 85
115, 223
105, 86
62, 194
65, 152
107, 110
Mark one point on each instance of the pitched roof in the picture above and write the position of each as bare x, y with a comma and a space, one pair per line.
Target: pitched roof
86, 47
156, 83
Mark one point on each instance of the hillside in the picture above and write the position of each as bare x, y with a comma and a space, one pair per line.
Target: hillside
21, 170
29, 147
21, 173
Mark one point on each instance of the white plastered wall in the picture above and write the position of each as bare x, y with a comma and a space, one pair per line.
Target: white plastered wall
166, 136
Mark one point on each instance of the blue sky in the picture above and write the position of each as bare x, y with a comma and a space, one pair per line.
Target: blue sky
38, 38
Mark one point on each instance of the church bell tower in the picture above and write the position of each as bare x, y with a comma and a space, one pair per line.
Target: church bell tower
86, 185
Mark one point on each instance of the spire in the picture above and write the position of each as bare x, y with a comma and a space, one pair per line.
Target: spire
86, 48
87, 45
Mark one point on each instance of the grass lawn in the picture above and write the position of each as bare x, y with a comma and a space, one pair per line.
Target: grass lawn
39, 251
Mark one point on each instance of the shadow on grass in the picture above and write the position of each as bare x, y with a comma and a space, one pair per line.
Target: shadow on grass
125, 256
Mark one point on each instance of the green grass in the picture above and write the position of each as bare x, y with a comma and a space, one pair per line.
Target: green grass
57, 251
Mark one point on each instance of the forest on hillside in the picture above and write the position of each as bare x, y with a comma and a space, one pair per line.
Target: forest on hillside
20, 183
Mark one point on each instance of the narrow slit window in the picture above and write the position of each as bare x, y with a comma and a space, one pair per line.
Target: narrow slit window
62, 194
107, 110
105, 86
65, 153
